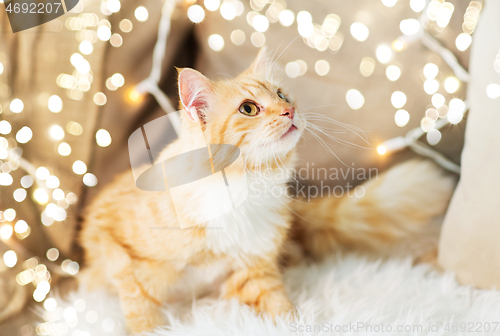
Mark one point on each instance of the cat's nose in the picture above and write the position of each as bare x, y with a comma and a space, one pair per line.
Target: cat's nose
288, 112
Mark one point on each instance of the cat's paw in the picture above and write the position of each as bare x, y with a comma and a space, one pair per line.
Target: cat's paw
274, 304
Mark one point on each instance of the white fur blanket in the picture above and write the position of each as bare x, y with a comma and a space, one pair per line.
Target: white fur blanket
349, 294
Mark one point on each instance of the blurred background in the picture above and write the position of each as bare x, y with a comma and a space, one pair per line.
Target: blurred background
366, 73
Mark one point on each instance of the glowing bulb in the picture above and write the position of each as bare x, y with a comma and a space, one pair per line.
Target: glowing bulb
433, 137
141, 14
126, 25
42, 173
19, 194
228, 11
56, 132
306, 29
16, 105
55, 104
238, 37
292, 69
104, 33
427, 124
64, 149
354, 99
359, 31
86, 47
6, 232
493, 91
401, 118
431, 86
21, 226
50, 304
383, 53
103, 138
24, 135
90, 180
322, 67
40, 196
9, 214
398, 45
52, 182
196, 13
438, 100
398, 99
431, 70
53, 254
260, 23
367, 66
10, 258
134, 96
79, 167
389, 3
258, 39
456, 111
381, 150
463, 41
5, 179
286, 17
118, 80
451, 84
417, 5
216, 42
5, 127
409, 26
100, 99
304, 17
212, 5
393, 73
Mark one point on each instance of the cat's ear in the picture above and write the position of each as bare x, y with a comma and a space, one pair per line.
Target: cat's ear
195, 91
260, 63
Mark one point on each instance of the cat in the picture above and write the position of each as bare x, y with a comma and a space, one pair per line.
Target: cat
132, 241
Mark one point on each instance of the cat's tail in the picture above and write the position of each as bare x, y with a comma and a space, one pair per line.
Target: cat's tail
397, 203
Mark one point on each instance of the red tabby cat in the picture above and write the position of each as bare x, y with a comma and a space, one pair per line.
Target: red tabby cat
133, 243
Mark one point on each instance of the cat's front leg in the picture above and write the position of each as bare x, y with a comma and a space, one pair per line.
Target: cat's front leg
261, 287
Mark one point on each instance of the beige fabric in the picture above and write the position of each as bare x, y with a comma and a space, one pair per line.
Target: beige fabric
470, 237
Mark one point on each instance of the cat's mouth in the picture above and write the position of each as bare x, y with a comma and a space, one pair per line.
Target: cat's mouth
290, 130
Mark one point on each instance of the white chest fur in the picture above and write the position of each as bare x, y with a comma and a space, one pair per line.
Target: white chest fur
252, 227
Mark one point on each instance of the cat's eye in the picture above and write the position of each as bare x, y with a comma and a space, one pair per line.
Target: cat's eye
249, 109
282, 96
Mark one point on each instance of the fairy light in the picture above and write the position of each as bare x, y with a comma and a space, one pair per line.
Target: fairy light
384, 54
41, 196
493, 91
5, 127
426, 124
409, 26
116, 40
126, 25
381, 149
24, 135
451, 84
401, 118
355, 99
367, 66
393, 73
86, 47
103, 138
389, 3
141, 14
56, 132
238, 37
19, 194
5, 179
212, 5
17, 105
286, 18
79, 167
64, 149
431, 86
10, 258
456, 111
417, 5
6, 232
196, 13
359, 31
228, 11
260, 23
398, 99
463, 41
438, 100
52, 254
322, 67
90, 180
216, 42
74, 128
26, 181
100, 99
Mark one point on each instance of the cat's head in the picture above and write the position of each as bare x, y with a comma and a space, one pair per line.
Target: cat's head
251, 111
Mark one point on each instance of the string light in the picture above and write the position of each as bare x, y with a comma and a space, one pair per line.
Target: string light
384, 54
359, 31
322, 67
238, 37
354, 99
196, 13
16, 105
216, 42
141, 14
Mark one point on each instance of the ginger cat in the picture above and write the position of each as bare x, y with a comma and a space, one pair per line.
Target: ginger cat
133, 243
